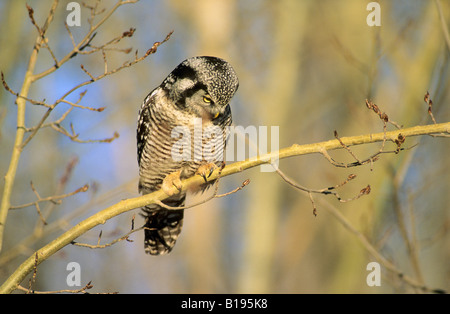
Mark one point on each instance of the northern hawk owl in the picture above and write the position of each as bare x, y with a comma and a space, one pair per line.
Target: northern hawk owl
194, 99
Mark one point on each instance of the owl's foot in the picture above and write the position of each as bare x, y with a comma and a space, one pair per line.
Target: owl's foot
206, 170
170, 181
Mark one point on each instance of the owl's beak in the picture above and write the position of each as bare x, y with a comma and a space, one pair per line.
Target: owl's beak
214, 112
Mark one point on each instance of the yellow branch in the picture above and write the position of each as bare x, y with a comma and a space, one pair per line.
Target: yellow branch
126, 205
20, 132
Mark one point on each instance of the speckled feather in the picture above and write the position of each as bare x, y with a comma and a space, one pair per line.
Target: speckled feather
177, 102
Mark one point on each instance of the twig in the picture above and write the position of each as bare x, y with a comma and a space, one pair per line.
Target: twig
124, 237
60, 225
326, 191
34, 102
383, 116
55, 199
105, 62
74, 136
77, 105
56, 122
399, 140
70, 34
429, 102
88, 73
102, 246
93, 79
105, 46
347, 165
244, 184
81, 290
313, 204
359, 162
84, 42
33, 278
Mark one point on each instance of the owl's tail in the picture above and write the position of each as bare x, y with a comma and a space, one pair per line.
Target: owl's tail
162, 228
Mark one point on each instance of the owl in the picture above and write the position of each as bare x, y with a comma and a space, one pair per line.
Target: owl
194, 99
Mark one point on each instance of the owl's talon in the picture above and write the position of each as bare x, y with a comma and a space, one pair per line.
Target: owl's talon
206, 170
170, 181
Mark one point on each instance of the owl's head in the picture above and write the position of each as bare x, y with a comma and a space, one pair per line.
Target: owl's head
203, 85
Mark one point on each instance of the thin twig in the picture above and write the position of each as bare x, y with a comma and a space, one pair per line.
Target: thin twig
429, 102
93, 79
83, 43
102, 246
33, 278
325, 191
75, 291
359, 162
383, 116
55, 199
244, 184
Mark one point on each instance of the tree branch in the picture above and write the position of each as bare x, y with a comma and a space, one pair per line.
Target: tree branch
123, 206
21, 104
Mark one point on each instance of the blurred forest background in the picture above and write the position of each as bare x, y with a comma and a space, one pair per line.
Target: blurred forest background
305, 66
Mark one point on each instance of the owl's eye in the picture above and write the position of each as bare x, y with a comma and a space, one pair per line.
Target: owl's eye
207, 99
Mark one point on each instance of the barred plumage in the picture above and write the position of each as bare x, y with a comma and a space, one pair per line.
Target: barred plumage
193, 99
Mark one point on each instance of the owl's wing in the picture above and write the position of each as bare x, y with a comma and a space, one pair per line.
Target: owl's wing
143, 127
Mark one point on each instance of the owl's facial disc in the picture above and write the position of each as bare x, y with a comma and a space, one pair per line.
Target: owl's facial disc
202, 86
215, 76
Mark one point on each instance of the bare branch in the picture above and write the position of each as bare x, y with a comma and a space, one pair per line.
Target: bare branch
383, 116
124, 237
75, 291
55, 199
102, 246
34, 102
33, 278
88, 73
105, 46
85, 42
93, 79
399, 140
325, 191
31, 16
244, 184
429, 102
